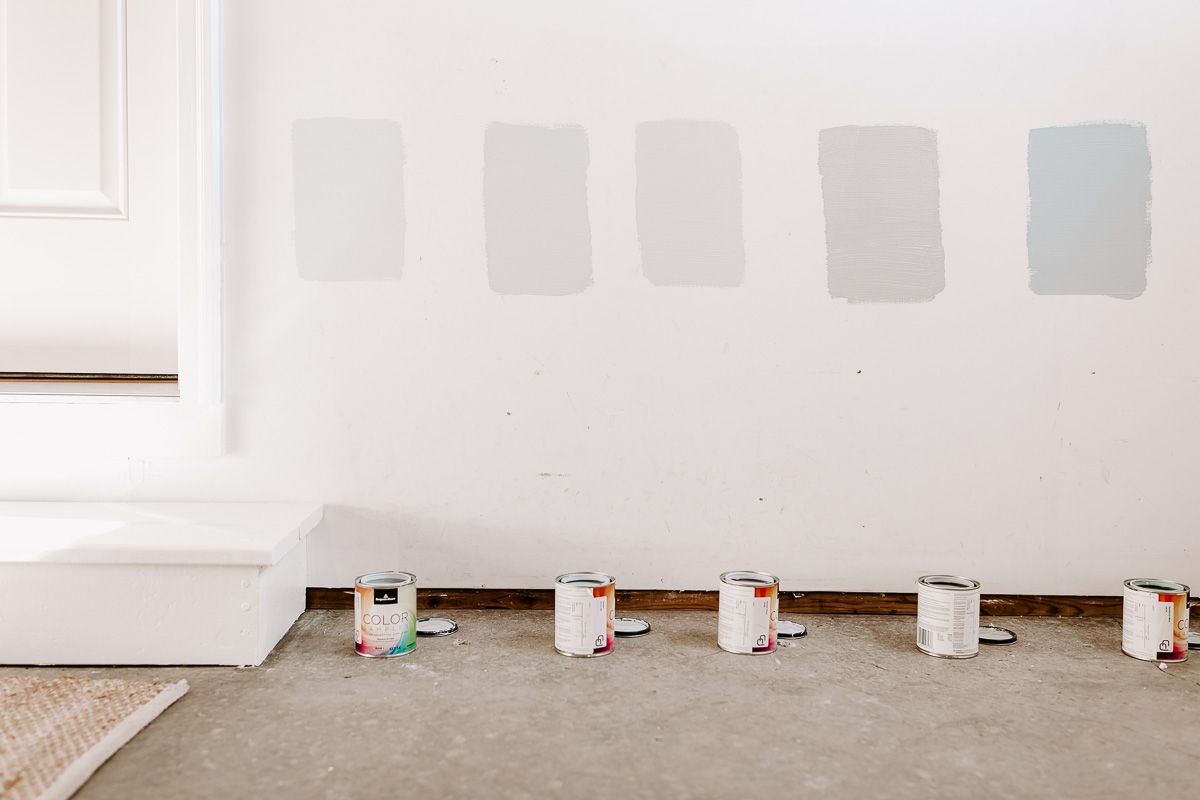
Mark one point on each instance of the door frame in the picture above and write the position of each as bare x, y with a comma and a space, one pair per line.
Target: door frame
126, 424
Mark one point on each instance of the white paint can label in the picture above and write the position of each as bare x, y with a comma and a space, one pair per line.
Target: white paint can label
584, 609
748, 612
385, 615
948, 616
1154, 620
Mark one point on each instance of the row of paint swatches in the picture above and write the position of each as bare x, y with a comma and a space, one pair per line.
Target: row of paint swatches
1088, 229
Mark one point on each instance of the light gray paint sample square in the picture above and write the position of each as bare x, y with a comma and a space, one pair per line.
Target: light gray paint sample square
348, 184
1089, 210
883, 229
689, 203
539, 239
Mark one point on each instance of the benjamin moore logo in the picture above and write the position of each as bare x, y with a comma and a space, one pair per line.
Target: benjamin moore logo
386, 597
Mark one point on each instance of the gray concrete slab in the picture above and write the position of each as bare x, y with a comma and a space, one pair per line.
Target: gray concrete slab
853, 710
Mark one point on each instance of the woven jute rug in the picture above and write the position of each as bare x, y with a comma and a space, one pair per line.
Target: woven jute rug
55, 733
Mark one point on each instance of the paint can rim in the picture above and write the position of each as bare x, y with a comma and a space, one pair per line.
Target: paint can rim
949, 583
749, 577
1157, 586
388, 579
1172, 660
956, 657
569, 654
594, 580
409, 651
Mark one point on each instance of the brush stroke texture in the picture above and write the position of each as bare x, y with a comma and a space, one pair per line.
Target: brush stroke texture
1089, 210
689, 203
348, 190
883, 230
539, 238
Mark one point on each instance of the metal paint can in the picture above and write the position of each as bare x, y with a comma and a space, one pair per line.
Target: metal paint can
948, 616
1154, 620
385, 614
748, 612
585, 604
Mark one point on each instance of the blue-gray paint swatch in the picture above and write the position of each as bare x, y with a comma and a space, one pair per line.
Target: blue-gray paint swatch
883, 229
348, 190
535, 209
689, 203
1089, 210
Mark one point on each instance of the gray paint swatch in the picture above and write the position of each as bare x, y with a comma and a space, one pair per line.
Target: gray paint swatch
1089, 210
539, 240
348, 184
689, 203
883, 230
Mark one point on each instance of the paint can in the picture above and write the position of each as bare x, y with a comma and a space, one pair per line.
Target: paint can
747, 612
1154, 620
585, 604
385, 614
948, 616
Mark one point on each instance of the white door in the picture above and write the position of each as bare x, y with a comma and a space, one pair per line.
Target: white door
88, 186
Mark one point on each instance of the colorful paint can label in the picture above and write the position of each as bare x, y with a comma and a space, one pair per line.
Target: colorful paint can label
948, 616
385, 614
748, 612
1154, 620
584, 609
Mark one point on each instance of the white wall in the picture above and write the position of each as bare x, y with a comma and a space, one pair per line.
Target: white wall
664, 434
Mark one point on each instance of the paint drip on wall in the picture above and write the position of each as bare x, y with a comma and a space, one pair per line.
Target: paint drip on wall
689, 203
348, 190
539, 238
1089, 210
883, 230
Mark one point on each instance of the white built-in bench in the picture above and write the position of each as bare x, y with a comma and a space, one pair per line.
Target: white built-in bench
150, 583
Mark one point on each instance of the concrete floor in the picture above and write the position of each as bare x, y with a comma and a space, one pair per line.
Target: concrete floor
853, 710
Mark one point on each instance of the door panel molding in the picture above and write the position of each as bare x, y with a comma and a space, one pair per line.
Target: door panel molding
63, 133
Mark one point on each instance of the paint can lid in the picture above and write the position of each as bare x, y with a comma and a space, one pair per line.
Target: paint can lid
630, 627
786, 629
746, 577
1194, 640
435, 626
952, 583
385, 580
594, 579
994, 634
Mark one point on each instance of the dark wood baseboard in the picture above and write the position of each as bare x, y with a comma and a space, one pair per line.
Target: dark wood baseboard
1004, 605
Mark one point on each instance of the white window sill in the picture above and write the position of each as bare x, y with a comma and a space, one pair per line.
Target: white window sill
56, 391
108, 425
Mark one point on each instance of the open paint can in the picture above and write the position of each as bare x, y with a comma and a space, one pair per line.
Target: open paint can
385, 614
1154, 620
948, 616
584, 608
747, 612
